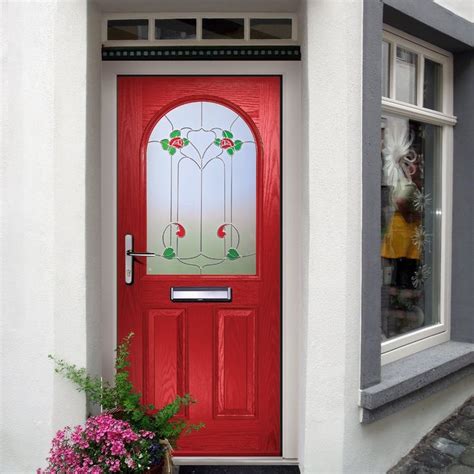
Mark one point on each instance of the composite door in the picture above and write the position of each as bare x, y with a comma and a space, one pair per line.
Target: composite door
199, 190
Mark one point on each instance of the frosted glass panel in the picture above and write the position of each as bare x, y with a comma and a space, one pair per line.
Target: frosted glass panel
406, 73
201, 193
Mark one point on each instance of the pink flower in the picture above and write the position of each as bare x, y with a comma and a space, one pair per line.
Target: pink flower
102, 445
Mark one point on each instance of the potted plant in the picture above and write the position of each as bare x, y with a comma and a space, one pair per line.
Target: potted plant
128, 436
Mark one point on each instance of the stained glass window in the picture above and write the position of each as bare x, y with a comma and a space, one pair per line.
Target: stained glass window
201, 192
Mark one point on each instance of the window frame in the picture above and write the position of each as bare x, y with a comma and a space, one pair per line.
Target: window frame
423, 338
199, 41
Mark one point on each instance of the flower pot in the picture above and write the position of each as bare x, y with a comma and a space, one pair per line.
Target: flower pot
157, 469
161, 469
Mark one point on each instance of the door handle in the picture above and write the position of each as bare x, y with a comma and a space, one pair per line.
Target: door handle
129, 256
141, 254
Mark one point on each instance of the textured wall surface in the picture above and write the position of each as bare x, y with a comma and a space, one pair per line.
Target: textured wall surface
464, 8
43, 227
332, 69
462, 328
49, 253
334, 439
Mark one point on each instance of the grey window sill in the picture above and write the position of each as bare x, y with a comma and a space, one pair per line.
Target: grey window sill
416, 377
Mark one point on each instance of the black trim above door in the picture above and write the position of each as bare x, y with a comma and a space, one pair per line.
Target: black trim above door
201, 53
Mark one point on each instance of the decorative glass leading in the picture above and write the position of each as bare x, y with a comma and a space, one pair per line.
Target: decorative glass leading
201, 192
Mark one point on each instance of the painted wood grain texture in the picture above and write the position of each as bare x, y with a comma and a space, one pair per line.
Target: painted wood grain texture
235, 363
227, 355
165, 354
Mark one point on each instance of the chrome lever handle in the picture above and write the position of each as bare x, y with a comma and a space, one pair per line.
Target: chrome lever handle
129, 256
141, 254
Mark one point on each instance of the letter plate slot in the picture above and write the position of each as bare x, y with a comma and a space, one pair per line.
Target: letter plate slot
201, 295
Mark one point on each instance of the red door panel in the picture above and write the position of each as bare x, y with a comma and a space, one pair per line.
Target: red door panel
225, 354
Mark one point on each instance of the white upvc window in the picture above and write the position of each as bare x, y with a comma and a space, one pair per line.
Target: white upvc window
416, 192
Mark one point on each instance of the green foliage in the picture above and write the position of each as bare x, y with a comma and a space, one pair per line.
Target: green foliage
233, 254
164, 143
169, 253
121, 399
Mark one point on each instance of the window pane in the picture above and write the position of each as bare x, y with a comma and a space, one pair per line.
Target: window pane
175, 28
385, 69
406, 71
270, 28
411, 220
127, 30
201, 192
432, 87
223, 28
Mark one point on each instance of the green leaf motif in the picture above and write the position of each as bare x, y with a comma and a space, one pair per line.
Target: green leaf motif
238, 144
164, 143
227, 134
169, 253
217, 141
185, 141
230, 151
175, 133
232, 254
171, 150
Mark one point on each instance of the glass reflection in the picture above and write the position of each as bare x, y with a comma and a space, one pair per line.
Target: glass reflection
411, 213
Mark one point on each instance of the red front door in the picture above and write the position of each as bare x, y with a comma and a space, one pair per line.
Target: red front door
199, 187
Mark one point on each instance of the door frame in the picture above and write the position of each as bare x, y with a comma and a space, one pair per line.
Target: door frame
292, 185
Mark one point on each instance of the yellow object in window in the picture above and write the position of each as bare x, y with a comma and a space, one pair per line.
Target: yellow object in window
398, 241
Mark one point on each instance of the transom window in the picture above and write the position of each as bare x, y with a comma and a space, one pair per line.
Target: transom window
224, 29
416, 161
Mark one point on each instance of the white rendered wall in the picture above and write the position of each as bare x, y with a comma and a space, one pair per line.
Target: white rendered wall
464, 8
333, 439
43, 224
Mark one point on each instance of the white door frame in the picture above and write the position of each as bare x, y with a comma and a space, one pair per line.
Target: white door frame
292, 203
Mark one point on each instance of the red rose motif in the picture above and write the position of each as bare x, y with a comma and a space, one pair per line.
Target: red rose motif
181, 232
221, 233
226, 143
176, 142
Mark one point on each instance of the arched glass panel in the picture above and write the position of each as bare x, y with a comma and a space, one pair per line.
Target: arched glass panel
201, 192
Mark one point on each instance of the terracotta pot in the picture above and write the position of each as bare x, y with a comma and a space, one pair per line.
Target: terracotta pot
157, 469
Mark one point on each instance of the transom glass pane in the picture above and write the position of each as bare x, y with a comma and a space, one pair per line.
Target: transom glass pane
406, 73
411, 223
127, 30
222, 28
201, 192
270, 28
175, 28
385, 69
432, 87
